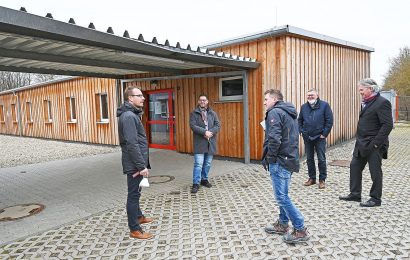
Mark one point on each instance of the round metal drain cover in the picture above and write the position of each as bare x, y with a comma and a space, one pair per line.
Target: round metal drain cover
160, 179
340, 163
20, 211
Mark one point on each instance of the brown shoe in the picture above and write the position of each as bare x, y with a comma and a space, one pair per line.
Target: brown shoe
309, 182
139, 234
144, 220
321, 184
296, 236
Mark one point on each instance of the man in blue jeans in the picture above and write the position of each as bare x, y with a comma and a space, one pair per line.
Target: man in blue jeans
315, 122
205, 125
281, 158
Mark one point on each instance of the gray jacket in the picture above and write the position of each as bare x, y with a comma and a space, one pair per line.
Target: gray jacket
133, 140
201, 144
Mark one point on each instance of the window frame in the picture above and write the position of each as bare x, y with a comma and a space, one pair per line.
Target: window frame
229, 98
99, 108
2, 114
29, 112
71, 115
14, 113
48, 114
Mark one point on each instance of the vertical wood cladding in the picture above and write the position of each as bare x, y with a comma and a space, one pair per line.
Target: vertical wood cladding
86, 127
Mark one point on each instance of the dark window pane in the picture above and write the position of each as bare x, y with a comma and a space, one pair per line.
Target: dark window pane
232, 87
104, 106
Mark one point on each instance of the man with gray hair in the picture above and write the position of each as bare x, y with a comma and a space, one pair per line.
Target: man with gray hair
373, 129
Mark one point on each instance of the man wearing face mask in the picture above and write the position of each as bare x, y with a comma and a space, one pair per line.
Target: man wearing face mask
315, 122
372, 142
205, 124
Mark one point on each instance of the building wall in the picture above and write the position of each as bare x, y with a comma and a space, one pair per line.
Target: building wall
8, 124
294, 65
85, 129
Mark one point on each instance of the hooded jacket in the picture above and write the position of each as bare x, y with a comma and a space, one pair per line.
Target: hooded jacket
281, 143
201, 144
133, 139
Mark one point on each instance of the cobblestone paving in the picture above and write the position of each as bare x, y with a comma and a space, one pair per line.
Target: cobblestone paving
227, 221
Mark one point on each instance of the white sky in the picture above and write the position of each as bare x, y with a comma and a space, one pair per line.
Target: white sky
383, 25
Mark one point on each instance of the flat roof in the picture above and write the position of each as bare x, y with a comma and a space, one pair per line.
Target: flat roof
283, 30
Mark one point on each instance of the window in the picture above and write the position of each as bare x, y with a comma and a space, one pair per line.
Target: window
2, 117
29, 117
101, 103
48, 115
70, 109
14, 113
230, 89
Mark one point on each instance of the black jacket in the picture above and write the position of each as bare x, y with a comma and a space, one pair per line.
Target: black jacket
281, 143
201, 144
315, 121
133, 140
374, 126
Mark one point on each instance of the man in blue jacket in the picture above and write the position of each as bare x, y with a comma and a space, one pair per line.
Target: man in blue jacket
281, 158
315, 122
135, 160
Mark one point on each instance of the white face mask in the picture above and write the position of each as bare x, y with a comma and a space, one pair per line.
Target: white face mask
312, 101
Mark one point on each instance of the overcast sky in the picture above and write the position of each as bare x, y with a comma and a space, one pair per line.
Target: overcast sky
383, 25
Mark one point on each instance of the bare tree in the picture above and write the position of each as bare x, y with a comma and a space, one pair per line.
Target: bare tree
398, 76
11, 80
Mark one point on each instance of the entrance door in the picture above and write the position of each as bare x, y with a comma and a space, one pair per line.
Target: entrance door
161, 119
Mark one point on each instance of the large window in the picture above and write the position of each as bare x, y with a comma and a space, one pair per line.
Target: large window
101, 109
70, 110
230, 89
29, 117
14, 113
48, 114
2, 115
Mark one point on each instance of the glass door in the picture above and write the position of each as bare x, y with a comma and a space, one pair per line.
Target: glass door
161, 119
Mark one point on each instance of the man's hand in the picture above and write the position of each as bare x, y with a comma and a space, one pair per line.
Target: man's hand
144, 173
322, 136
265, 165
208, 135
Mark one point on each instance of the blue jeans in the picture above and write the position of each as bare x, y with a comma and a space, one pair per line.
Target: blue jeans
287, 210
320, 146
133, 202
202, 164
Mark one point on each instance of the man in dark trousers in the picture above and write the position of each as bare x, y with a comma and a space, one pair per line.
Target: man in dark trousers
374, 126
205, 125
135, 162
281, 158
315, 122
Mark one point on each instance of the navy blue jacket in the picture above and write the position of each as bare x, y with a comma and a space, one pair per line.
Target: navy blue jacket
133, 140
281, 143
315, 121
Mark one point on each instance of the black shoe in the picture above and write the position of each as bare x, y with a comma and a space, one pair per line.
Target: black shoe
371, 203
195, 188
206, 183
350, 197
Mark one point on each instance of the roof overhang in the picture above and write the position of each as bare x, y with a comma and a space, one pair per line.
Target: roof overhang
287, 30
31, 43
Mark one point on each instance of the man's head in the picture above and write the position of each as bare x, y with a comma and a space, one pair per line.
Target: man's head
271, 97
367, 87
134, 96
203, 101
312, 96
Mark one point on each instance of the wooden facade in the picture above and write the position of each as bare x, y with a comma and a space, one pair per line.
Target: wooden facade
290, 63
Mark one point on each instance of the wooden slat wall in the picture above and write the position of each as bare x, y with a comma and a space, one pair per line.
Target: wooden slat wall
86, 129
294, 65
8, 126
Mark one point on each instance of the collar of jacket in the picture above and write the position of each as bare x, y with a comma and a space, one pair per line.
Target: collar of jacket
135, 110
198, 109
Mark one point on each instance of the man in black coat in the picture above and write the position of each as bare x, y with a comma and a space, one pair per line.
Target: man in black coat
374, 126
205, 125
135, 161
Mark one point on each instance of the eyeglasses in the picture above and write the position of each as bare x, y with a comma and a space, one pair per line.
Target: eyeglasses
139, 95
202, 100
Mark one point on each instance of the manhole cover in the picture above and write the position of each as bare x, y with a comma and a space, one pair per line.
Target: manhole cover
160, 179
20, 211
340, 163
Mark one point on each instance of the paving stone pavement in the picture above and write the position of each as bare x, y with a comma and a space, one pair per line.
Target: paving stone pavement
227, 220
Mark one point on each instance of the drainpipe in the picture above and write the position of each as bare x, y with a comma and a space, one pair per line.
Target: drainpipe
18, 114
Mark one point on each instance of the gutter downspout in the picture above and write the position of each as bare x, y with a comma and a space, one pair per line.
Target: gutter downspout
20, 128
246, 147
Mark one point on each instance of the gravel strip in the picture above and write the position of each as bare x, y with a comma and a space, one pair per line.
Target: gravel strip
15, 150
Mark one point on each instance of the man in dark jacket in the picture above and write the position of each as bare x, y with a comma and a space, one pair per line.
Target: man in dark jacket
135, 162
372, 142
315, 122
205, 125
281, 158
